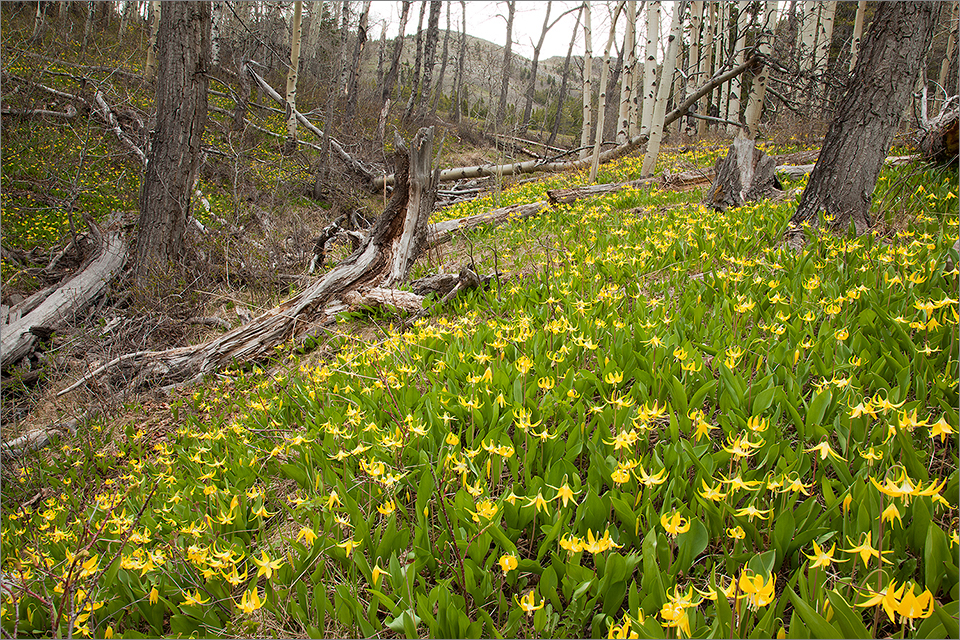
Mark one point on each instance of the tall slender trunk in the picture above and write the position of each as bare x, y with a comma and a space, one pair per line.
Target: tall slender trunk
150, 67
857, 34
694, 63
587, 84
458, 98
723, 57
563, 81
353, 84
532, 85
443, 67
650, 65
313, 35
88, 26
663, 94
381, 52
430, 52
707, 68
824, 38
758, 90
602, 102
293, 73
507, 62
344, 38
37, 24
629, 68
949, 58
736, 87
417, 63
391, 78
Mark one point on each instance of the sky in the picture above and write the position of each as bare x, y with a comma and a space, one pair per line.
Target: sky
487, 20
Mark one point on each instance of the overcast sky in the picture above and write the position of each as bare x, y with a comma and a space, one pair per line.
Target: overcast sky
487, 20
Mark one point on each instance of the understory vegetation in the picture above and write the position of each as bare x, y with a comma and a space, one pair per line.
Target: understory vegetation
658, 421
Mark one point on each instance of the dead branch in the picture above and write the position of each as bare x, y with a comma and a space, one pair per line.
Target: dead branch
107, 114
69, 113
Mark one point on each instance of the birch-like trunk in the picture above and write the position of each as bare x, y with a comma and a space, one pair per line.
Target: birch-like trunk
663, 94
417, 63
507, 61
707, 69
391, 78
948, 59
290, 144
857, 34
694, 63
806, 52
650, 65
458, 95
723, 54
88, 25
353, 82
443, 66
736, 87
758, 90
602, 102
824, 36
150, 67
587, 84
430, 53
313, 35
629, 69
563, 81
532, 85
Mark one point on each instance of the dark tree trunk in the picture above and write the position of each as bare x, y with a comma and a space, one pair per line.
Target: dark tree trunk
443, 66
183, 59
391, 78
507, 59
353, 84
867, 116
458, 94
430, 52
412, 101
563, 81
532, 86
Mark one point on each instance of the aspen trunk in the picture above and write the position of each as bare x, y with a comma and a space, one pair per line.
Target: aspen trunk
563, 81
602, 102
150, 67
707, 69
694, 63
722, 57
758, 89
857, 34
353, 82
629, 70
290, 144
663, 94
313, 35
417, 63
507, 62
443, 66
733, 111
430, 52
458, 96
391, 78
824, 37
532, 85
587, 84
650, 66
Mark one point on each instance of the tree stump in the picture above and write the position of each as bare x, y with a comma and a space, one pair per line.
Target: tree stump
746, 174
941, 140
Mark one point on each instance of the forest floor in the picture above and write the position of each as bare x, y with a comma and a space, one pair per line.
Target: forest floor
652, 398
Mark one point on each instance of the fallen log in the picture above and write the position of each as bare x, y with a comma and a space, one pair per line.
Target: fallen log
64, 302
384, 259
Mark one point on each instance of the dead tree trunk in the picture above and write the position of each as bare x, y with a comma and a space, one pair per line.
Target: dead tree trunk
461, 59
391, 78
563, 81
384, 259
507, 60
532, 85
867, 115
745, 174
353, 84
429, 53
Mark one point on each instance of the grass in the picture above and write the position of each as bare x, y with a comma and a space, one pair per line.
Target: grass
663, 423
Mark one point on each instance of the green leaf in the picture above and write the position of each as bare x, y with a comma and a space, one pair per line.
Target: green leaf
817, 408
763, 400
299, 474
935, 555
849, 619
816, 623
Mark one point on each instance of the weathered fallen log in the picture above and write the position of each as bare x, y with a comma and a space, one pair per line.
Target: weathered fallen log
385, 258
531, 166
69, 113
440, 232
65, 301
745, 174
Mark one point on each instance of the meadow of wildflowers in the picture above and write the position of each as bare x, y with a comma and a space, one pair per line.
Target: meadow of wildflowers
659, 423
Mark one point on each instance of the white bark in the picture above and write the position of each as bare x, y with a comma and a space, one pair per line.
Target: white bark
629, 67
825, 35
293, 73
949, 58
694, 63
723, 37
736, 87
150, 67
650, 65
602, 102
660, 108
808, 35
758, 90
711, 28
857, 34
313, 35
587, 84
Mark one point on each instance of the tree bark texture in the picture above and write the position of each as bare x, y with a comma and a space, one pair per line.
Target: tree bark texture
657, 121
418, 62
625, 115
150, 66
430, 52
867, 116
184, 54
391, 78
461, 59
290, 144
650, 65
443, 66
507, 62
587, 92
744, 174
353, 83
602, 100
